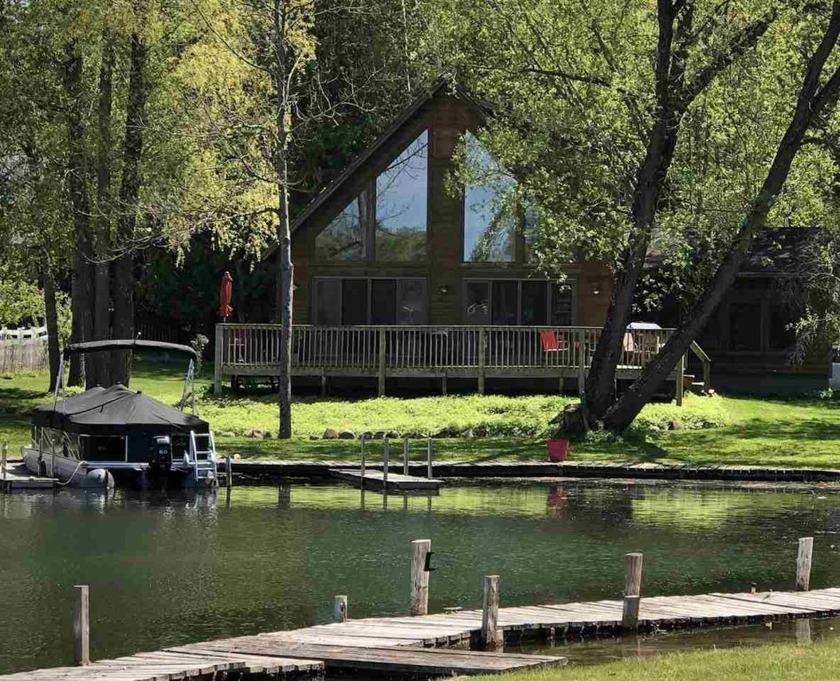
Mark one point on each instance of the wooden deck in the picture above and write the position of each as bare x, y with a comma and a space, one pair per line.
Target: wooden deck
395, 482
18, 477
442, 352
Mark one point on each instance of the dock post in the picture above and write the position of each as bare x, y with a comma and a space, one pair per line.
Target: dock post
228, 472
803, 563
405, 455
420, 553
386, 460
492, 638
340, 609
362, 467
429, 458
81, 625
632, 590
4, 452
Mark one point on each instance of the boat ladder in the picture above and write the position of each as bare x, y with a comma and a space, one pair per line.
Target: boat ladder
203, 460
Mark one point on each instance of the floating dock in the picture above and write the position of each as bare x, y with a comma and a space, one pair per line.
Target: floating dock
18, 477
394, 482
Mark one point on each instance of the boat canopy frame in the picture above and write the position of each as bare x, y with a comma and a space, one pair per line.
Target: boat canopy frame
128, 345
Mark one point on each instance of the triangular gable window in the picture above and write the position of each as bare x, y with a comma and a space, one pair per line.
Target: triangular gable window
489, 225
387, 221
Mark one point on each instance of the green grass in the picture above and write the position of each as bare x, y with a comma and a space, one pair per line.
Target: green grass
769, 663
718, 430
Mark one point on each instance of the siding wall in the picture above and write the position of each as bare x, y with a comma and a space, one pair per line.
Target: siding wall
447, 118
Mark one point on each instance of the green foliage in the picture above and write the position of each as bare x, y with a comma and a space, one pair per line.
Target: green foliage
573, 92
20, 302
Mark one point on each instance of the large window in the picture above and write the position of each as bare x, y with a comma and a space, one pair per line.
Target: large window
387, 221
489, 224
528, 302
344, 238
361, 300
401, 198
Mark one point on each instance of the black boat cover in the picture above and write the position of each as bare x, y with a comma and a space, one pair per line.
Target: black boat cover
115, 411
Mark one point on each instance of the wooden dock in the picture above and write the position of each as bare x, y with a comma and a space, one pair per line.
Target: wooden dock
436, 645
18, 477
394, 482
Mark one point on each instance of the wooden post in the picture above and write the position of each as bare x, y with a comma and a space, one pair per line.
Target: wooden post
405, 456
217, 360
228, 472
492, 638
382, 362
581, 341
362, 467
340, 609
81, 625
429, 458
4, 453
803, 563
802, 631
482, 338
632, 590
420, 550
386, 460
680, 380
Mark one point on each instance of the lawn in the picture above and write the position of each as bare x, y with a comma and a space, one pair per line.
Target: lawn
717, 430
769, 663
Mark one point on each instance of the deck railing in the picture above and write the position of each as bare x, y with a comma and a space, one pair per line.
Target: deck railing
469, 351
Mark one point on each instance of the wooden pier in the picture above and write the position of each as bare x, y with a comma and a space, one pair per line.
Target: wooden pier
434, 645
393, 482
15, 476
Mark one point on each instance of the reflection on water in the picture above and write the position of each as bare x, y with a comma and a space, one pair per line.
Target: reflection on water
165, 570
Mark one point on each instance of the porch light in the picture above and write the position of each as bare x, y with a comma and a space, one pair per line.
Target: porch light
443, 290
596, 288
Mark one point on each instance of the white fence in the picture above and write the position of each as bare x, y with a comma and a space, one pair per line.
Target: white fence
23, 350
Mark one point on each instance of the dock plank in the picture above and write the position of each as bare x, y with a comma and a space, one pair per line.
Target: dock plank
429, 661
375, 480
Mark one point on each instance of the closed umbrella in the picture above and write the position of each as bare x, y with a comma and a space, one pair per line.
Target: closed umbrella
225, 296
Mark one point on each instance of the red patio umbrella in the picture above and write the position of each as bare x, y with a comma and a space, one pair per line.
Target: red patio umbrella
225, 296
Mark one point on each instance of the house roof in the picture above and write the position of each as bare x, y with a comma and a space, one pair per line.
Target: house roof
441, 86
774, 251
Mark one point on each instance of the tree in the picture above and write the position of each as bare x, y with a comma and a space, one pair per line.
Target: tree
816, 99
628, 128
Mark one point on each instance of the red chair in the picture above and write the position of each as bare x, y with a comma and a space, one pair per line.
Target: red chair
549, 342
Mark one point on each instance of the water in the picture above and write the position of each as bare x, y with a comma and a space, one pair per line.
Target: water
169, 570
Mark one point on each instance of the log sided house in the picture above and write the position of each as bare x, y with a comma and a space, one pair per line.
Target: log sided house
399, 276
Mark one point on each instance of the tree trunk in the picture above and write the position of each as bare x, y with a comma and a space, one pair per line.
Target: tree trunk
53, 342
82, 291
648, 187
127, 221
284, 253
811, 103
102, 308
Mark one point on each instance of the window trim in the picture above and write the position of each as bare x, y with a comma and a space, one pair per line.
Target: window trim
367, 219
571, 282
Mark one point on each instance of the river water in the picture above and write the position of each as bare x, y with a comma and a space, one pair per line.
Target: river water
166, 570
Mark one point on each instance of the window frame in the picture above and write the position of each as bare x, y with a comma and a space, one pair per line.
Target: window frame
571, 283
367, 219
369, 279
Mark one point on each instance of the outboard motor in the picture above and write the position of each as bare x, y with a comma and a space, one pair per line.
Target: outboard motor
160, 457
